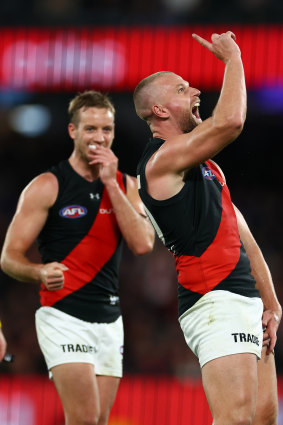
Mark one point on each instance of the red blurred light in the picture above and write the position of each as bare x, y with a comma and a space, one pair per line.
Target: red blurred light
117, 58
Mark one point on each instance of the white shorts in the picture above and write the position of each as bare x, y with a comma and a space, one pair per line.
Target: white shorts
222, 323
66, 339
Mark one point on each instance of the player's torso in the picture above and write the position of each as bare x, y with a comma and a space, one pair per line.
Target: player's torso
82, 232
198, 225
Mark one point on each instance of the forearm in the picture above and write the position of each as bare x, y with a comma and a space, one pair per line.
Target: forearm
262, 275
259, 267
16, 265
232, 102
272, 310
135, 228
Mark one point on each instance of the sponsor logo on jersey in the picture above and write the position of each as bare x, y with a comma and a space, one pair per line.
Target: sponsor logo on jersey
75, 348
94, 195
113, 299
73, 211
106, 211
243, 337
207, 173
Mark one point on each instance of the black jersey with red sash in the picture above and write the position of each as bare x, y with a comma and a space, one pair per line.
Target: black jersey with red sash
199, 227
82, 233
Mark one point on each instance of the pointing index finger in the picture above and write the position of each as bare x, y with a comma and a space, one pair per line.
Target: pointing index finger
202, 41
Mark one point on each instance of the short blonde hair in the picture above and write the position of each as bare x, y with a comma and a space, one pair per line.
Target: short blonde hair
138, 98
88, 99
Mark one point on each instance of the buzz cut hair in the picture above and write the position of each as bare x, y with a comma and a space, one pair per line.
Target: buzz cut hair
88, 99
139, 88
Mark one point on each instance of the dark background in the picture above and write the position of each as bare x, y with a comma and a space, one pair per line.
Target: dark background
153, 341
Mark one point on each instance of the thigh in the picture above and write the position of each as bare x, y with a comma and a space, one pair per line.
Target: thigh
108, 387
109, 356
267, 403
230, 384
78, 390
222, 323
65, 339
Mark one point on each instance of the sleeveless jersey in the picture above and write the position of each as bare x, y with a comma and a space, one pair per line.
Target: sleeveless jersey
82, 232
198, 225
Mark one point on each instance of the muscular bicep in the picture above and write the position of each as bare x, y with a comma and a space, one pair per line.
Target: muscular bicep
188, 150
31, 213
166, 168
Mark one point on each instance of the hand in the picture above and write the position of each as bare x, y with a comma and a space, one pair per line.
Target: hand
270, 323
3, 345
52, 276
223, 46
107, 160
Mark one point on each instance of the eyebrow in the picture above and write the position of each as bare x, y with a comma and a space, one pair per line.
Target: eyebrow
184, 84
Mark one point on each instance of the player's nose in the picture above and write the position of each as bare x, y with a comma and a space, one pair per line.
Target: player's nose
195, 92
99, 137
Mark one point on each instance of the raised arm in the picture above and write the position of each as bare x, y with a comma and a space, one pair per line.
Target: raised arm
181, 152
28, 221
231, 107
272, 309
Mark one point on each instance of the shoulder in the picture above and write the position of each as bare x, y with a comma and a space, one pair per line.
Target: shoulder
43, 188
45, 181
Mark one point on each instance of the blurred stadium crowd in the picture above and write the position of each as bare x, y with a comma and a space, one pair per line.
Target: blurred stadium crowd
129, 12
154, 343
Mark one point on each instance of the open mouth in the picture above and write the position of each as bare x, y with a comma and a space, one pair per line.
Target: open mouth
195, 111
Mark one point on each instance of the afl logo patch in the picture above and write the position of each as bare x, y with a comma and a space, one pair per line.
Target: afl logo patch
207, 173
73, 211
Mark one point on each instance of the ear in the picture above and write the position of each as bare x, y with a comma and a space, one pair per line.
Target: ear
72, 130
160, 111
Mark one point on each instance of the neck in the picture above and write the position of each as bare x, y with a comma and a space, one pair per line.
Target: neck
88, 172
165, 130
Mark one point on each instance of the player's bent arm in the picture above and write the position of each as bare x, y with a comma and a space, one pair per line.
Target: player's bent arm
135, 227
260, 271
224, 47
187, 151
184, 151
28, 221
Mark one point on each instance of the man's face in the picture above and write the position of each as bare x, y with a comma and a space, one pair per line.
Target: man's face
95, 127
181, 100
